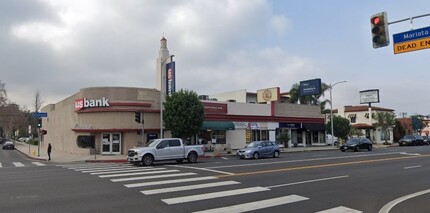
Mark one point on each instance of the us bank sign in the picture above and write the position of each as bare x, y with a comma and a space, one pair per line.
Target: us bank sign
82, 103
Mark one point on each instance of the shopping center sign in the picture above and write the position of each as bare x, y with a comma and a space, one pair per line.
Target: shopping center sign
83, 103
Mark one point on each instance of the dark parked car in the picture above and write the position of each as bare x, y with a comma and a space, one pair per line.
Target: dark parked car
426, 140
356, 144
8, 145
411, 140
258, 149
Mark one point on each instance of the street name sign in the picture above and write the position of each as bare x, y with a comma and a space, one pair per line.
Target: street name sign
411, 40
40, 114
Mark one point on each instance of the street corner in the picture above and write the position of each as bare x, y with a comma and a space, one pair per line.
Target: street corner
32, 155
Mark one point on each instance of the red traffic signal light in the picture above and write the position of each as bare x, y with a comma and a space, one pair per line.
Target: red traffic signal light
379, 25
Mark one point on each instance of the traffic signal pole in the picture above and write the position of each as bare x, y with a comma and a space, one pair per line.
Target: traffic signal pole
411, 20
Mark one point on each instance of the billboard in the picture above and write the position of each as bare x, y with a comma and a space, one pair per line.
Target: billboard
269, 94
369, 96
310, 87
170, 78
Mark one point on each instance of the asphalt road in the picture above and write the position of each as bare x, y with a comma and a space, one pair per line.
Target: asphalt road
391, 179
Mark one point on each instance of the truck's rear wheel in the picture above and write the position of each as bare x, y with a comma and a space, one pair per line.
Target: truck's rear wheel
192, 157
147, 160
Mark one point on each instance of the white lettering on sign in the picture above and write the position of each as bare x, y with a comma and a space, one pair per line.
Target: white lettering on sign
82, 103
416, 34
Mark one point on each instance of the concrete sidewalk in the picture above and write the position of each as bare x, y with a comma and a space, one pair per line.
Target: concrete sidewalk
31, 151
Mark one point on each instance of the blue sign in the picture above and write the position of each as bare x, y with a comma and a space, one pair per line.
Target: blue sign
310, 87
40, 114
170, 78
411, 35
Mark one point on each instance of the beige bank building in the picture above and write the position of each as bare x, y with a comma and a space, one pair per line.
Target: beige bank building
101, 120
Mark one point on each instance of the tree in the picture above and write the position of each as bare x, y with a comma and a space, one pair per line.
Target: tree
385, 120
3, 94
183, 114
283, 137
309, 99
341, 127
38, 102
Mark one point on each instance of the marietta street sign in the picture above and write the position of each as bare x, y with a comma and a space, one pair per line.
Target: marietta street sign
40, 114
411, 40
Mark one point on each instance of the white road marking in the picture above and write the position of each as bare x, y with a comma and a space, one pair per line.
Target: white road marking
38, 163
211, 195
125, 170
387, 207
0, 165
413, 154
204, 169
302, 160
169, 181
18, 164
100, 169
412, 167
138, 173
152, 177
251, 206
115, 169
225, 158
189, 187
308, 181
340, 209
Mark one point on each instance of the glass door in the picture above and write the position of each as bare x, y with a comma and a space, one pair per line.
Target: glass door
111, 143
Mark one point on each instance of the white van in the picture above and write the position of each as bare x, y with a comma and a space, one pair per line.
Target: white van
330, 139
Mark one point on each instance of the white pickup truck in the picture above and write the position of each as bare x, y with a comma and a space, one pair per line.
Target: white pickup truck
164, 149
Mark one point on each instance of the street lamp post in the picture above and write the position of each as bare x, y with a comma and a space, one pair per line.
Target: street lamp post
161, 91
331, 108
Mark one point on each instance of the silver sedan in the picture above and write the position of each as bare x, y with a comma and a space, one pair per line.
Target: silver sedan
259, 149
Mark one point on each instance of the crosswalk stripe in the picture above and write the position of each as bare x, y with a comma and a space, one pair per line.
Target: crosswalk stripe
211, 195
189, 187
18, 164
340, 209
138, 173
132, 185
95, 169
38, 163
0, 165
152, 177
256, 205
107, 170
124, 170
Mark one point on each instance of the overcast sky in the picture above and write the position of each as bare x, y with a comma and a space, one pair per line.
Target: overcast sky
59, 47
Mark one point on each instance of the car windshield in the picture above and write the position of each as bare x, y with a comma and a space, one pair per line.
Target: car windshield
409, 137
151, 143
252, 145
353, 141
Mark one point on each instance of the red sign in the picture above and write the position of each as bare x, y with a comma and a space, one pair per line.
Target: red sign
215, 108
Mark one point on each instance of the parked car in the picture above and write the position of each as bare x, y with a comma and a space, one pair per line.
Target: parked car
259, 149
411, 140
2, 140
9, 145
426, 140
330, 139
356, 144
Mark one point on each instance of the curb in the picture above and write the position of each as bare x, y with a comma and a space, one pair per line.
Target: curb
31, 157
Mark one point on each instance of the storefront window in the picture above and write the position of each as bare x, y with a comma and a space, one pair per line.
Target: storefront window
86, 141
218, 136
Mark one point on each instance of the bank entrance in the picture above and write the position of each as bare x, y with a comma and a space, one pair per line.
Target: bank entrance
111, 143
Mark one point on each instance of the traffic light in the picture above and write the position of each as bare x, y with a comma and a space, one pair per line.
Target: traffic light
379, 24
137, 117
39, 123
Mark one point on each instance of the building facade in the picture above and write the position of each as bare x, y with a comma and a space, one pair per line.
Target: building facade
363, 119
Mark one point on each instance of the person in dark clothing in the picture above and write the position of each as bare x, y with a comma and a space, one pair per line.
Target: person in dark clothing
49, 151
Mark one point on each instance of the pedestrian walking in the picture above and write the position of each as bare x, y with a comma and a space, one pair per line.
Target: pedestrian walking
49, 151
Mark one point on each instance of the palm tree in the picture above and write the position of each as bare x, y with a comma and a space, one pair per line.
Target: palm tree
385, 120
